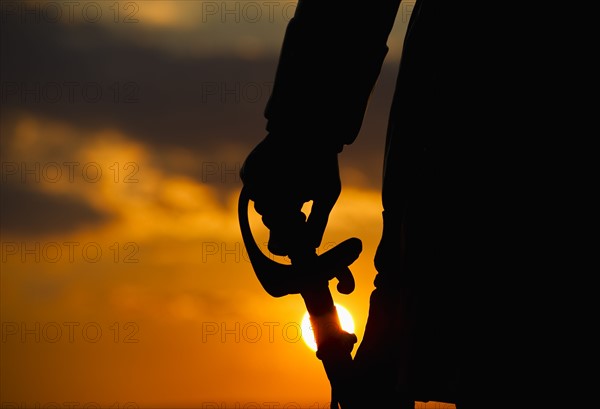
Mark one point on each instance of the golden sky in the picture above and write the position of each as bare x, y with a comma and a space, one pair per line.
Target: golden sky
124, 280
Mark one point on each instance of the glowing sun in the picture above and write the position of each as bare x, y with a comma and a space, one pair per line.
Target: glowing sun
307, 333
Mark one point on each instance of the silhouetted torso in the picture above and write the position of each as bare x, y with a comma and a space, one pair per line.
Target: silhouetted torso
449, 202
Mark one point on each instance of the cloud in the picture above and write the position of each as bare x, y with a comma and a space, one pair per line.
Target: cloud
33, 213
200, 105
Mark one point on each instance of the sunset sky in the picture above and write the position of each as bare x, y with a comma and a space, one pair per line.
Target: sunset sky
124, 281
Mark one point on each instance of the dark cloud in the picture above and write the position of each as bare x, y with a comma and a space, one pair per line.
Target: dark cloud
29, 212
88, 76
152, 95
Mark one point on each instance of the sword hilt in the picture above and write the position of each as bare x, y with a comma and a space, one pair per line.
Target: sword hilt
309, 275
282, 279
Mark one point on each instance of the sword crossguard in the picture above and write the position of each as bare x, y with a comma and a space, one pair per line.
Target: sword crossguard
282, 279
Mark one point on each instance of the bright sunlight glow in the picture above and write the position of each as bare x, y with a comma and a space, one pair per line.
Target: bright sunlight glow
307, 332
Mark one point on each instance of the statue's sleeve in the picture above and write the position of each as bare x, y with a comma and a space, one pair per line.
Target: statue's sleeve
330, 59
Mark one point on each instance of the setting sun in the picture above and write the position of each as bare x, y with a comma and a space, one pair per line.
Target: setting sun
307, 333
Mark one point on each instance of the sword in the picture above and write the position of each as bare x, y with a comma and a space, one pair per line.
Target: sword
309, 275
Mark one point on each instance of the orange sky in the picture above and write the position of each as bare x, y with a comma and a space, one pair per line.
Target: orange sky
126, 283
171, 265
177, 275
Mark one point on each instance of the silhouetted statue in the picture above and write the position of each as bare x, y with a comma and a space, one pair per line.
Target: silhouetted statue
420, 333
